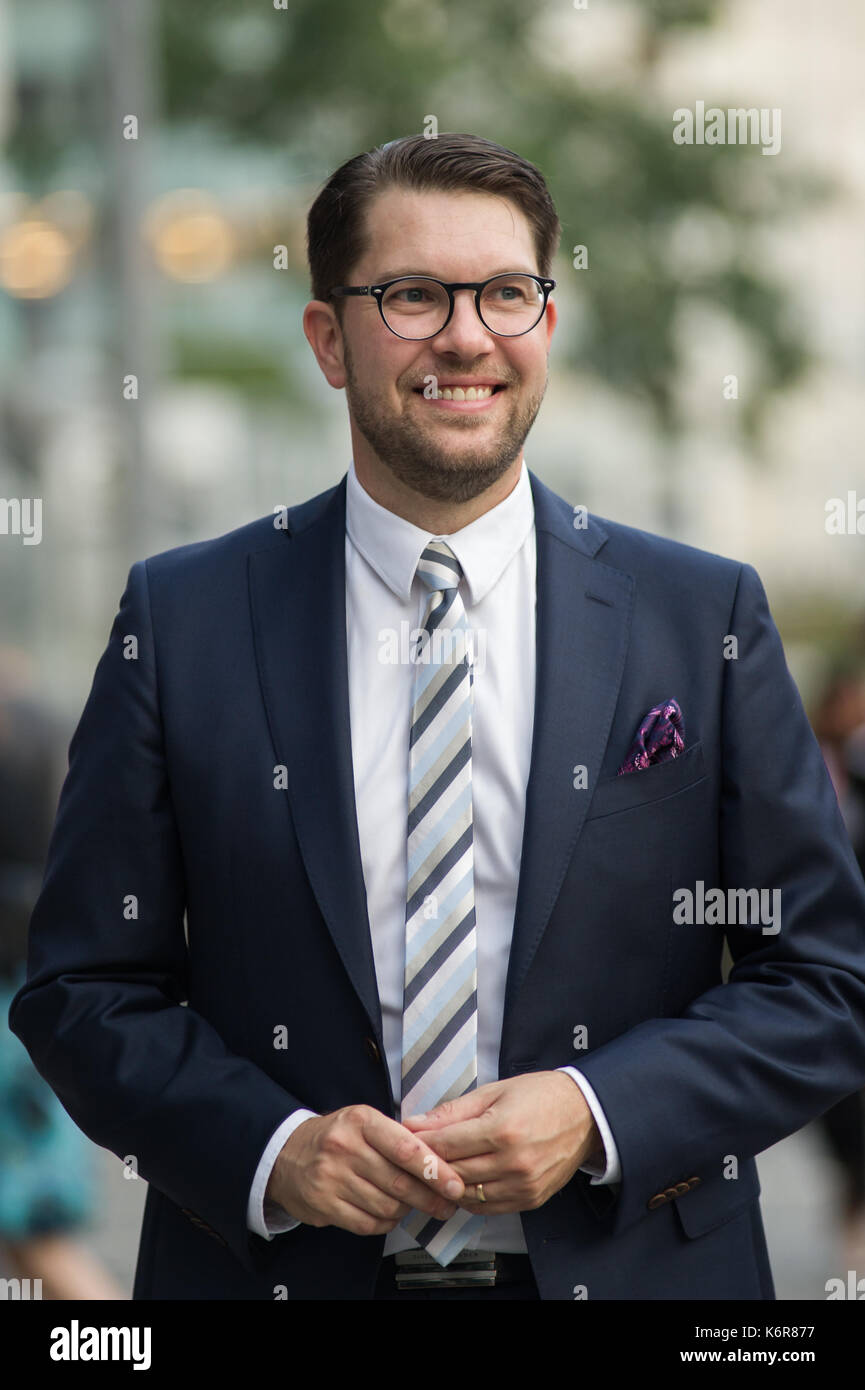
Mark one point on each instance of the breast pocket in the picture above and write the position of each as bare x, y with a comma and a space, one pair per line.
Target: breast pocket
631, 789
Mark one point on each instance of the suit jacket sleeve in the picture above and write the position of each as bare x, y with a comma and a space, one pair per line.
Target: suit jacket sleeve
102, 1011
752, 1060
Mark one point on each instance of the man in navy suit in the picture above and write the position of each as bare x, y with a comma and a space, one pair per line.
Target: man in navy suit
218, 956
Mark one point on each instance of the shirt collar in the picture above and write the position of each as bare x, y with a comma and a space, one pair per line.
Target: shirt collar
393, 546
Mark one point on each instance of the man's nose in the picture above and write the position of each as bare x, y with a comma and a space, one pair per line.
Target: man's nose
464, 334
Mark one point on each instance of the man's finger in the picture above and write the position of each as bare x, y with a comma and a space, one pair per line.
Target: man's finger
498, 1199
394, 1182
369, 1197
486, 1168
467, 1107
359, 1221
469, 1139
410, 1152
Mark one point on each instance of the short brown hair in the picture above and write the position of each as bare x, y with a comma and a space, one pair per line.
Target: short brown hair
335, 229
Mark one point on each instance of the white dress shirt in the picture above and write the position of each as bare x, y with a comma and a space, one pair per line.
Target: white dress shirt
384, 596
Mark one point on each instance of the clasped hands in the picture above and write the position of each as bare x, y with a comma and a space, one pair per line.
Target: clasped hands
522, 1138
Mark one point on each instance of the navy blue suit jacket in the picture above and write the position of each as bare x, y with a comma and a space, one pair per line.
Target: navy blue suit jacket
158, 1034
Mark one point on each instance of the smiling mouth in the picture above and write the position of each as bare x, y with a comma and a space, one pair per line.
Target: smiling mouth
460, 393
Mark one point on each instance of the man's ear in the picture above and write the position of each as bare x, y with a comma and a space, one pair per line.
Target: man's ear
551, 316
324, 336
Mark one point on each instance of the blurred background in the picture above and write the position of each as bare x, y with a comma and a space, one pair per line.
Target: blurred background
156, 166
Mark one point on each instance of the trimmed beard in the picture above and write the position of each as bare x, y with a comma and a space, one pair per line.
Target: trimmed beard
425, 464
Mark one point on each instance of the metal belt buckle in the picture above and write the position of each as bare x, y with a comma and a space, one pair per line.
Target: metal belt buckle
415, 1269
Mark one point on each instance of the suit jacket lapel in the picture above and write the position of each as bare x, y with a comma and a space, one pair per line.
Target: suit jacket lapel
297, 593
583, 623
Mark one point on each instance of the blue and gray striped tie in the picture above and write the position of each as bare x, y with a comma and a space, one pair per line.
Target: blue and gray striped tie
439, 1041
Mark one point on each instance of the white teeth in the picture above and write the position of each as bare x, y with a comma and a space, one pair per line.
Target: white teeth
471, 393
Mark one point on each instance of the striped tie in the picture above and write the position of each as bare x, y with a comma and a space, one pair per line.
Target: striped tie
439, 1039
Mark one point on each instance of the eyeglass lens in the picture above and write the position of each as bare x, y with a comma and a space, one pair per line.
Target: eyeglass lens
418, 307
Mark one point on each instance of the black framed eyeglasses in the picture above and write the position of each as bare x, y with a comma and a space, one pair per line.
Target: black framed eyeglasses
418, 306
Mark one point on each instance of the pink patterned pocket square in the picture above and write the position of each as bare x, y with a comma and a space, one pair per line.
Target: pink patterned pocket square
661, 736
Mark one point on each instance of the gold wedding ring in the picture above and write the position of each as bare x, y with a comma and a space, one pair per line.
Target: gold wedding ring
480, 1188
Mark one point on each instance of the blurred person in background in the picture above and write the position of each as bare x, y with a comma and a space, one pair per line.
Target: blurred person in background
839, 724
46, 1163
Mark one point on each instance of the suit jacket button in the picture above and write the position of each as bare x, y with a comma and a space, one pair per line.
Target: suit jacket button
682, 1188
694, 1182
372, 1048
670, 1193
657, 1201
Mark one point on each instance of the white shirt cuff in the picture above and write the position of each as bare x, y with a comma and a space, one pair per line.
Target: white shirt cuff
268, 1219
613, 1170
